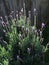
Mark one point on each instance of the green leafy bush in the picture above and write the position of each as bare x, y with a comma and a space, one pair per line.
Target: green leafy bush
20, 50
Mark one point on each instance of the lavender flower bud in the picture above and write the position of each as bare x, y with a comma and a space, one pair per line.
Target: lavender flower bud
34, 9
18, 57
22, 10
28, 50
43, 25
1, 18
16, 15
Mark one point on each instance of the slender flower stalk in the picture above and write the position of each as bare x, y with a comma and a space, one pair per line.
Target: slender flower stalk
24, 10
17, 17
29, 14
34, 16
27, 31
1, 18
29, 18
40, 34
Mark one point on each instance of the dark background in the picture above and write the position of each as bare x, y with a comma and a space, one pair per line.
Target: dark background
42, 10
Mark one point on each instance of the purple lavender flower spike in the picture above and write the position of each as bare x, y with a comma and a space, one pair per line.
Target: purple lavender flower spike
1, 18
34, 9
22, 10
43, 25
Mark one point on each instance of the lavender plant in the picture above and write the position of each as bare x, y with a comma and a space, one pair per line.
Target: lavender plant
25, 47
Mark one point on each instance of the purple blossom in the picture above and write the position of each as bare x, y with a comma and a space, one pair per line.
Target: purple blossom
34, 9
1, 18
43, 25
22, 10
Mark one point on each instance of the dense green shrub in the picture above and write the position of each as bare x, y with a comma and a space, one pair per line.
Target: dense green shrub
23, 50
